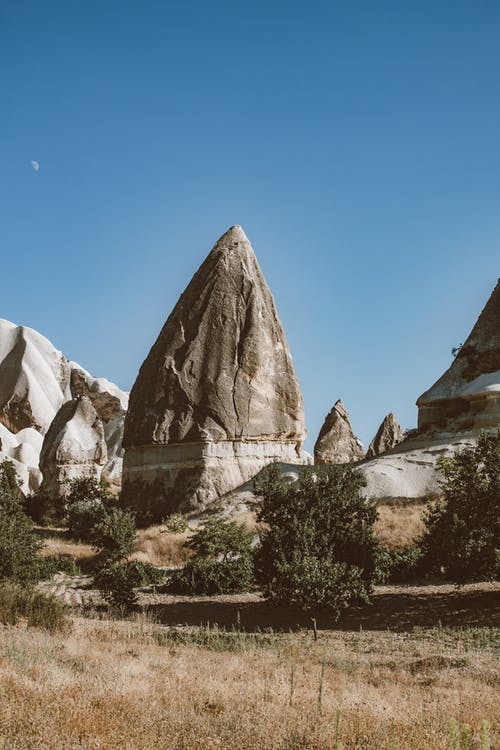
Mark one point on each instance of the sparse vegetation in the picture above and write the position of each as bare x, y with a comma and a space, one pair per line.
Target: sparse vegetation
39, 610
222, 561
317, 549
463, 529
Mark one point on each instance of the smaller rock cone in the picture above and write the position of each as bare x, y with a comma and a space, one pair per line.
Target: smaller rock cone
337, 443
389, 434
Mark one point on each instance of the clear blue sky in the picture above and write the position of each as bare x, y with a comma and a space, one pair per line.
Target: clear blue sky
357, 143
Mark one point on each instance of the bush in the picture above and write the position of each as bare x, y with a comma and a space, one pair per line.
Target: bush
115, 534
222, 561
18, 543
116, 581
317, 549
87, 502
52, 564
462, 536
399, 567
45, 509
176, 524
40, 610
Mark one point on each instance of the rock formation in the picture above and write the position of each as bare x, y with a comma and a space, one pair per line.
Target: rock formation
467, 397
217, 397
36, 380
337, 443
465, 400
389, 434
73, 446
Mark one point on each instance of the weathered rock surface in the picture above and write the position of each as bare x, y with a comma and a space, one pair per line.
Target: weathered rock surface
217, 397
388, 436
337, 443
35, 381
73, 446
465, 400
467, 397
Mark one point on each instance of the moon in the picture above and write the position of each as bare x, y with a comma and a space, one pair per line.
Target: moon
35, 165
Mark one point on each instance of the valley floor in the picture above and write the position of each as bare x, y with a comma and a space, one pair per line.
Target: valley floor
418, 669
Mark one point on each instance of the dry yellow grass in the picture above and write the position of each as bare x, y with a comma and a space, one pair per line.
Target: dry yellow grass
111, 685
399, 525
159, 547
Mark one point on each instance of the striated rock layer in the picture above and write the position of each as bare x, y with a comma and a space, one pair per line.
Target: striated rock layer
451, 414
467, 397
337, 443
217, 397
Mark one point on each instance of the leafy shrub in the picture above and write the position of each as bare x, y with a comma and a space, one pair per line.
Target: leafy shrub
117, 581
18, 543
222, 562
87, 502
201, 576
40, 610
463, 530
317, 549
399, 567
9, 481
176, 524
83, 516
45, 509
115, 534
51, 564
144, 574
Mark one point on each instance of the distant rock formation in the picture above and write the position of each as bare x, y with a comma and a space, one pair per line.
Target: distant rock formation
465, 400
467, 397
73, 446
337, 443
388, 436
217, 397
36, 380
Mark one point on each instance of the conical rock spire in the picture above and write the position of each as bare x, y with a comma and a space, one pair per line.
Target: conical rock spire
337, 443
219, 374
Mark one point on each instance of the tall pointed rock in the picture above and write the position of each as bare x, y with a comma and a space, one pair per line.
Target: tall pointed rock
389, 434
467, 397
337, 443
217, 397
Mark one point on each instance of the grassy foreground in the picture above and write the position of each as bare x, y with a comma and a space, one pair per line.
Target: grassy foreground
137, 685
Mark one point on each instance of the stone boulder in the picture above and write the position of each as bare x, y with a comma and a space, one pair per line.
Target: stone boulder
388, 436
217, 397
337, 443
73, 446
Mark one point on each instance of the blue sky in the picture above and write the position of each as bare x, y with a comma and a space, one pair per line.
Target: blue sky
356, 142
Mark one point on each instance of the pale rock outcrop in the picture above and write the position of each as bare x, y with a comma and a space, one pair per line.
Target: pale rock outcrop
389, 435
217, 397
452, 413
467, 397
73, 446
35, 381
337, 443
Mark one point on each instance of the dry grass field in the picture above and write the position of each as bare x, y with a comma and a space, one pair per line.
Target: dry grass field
137, 685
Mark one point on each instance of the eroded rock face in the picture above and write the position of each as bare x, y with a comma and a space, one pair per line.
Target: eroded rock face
217, 397
467, 397
73, 446
36, 380
388, 436
337, 443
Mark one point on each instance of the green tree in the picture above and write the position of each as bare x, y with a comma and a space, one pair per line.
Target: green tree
222, 562
115, 534
317, 548
87, 501
19, 545
463, 529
